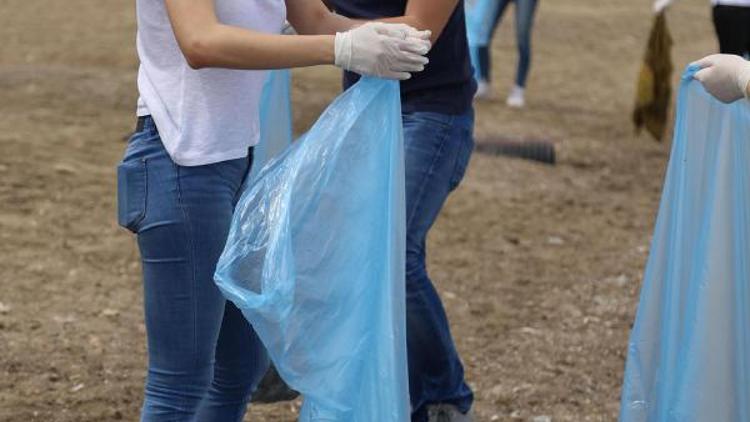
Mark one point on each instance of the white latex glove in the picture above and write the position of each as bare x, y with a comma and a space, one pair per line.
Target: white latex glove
724, 76
383, 50
660, 5
403, 31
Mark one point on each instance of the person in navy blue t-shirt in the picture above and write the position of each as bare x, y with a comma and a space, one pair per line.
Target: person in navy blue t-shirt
438, 123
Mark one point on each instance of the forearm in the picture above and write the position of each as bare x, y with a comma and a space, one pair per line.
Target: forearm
334, 23
206, 42
372, 50
315, 17
329, 24
236, 48
426, 15
412, 21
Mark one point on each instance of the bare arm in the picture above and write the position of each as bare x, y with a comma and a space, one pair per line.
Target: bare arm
206, 42
429, 15
315, 17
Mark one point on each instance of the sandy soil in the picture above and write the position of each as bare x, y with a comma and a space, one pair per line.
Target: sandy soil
539, 266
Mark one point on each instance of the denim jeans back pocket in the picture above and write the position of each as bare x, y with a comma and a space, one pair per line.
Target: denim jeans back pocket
132, 178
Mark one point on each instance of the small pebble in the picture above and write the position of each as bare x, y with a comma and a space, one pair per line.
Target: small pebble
620, 280
496, 391
554, 240
64, 168
108, 312
530, 331
64, 319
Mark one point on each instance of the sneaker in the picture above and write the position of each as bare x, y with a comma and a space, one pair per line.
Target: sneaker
516, 98
484, 90
447, 413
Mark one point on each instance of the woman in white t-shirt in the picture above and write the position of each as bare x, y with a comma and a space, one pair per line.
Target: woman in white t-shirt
200, 83
732, 24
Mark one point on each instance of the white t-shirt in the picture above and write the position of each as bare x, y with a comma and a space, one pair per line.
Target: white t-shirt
208, 115
731, 2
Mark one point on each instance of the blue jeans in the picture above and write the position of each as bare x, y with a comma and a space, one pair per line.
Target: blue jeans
525, 10
204, 359
437, 151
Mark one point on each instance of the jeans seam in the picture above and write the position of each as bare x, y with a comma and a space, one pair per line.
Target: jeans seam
126, 222
462, 161
191, 252
431, 171
134, 227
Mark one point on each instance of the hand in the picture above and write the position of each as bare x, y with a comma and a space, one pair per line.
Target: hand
724, 76
383, 50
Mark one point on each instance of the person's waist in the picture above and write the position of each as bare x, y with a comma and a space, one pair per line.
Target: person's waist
421, 85
438, 89
144, 123
453, 106
453, 96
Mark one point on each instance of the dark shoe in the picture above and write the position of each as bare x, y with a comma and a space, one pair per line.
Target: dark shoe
273, 389
447, 413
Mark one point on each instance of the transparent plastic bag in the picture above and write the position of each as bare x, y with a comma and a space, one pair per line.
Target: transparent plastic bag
689, 352
315, 260
480, 18
275, 119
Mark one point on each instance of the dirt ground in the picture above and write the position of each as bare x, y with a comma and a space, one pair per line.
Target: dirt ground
539, 266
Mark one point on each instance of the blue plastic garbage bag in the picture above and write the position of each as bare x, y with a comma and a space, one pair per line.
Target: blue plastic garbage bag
275, 119
480, 18
315, 260
689, 352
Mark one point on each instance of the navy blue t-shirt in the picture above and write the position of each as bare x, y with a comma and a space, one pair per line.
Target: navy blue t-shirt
447, 84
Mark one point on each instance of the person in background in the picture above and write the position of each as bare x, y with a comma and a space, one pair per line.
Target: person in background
725, 76
178, 183
732, 24
525, 11
438, 121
